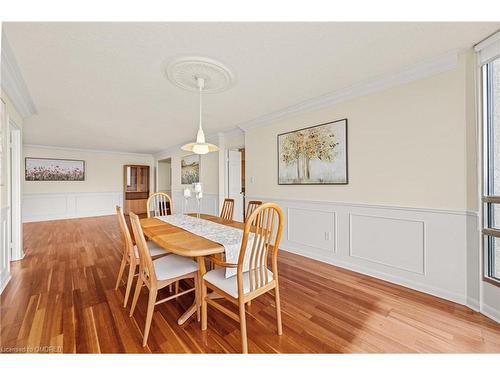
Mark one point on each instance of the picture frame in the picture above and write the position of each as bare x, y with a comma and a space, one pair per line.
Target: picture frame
314, 155
51, 169
190, 169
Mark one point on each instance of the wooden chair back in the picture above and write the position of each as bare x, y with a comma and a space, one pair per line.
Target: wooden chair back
252, 206
146, 267
265, 225
159, 204
227, 209
127, 238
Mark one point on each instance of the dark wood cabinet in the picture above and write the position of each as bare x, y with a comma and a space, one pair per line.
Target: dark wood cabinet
136, 188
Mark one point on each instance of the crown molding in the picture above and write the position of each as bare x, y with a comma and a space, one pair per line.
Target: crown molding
13, 84
87, 150
418, 71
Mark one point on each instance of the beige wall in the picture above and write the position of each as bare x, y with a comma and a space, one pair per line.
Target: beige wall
406, 147
103, 170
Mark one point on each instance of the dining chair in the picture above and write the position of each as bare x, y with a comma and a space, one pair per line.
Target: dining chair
227, 209
159, 204
252, 206
258, 242
131, 254
158, 274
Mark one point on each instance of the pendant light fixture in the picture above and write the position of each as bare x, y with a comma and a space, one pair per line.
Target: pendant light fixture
200, 147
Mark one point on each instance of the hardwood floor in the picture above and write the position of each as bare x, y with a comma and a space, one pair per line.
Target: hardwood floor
62, 298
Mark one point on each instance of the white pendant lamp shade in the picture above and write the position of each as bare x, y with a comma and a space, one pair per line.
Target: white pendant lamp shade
200, 147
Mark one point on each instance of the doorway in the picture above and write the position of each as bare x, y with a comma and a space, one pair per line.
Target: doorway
236, 181
164, 176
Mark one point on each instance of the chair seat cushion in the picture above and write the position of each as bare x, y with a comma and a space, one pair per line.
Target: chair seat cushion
154, 249
229, 285
172, 266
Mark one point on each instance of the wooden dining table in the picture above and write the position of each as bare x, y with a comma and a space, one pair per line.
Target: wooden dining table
182, 242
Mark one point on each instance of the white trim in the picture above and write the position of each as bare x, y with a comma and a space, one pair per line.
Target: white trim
4, 283
13, 83
418, 71
370, 205
15, 183
87, 150
487, 42
421, 287
473, 304
488, 49
490, 312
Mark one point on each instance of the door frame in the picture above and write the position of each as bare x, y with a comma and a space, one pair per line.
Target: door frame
15, 230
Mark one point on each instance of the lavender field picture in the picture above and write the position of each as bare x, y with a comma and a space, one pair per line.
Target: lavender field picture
40, 169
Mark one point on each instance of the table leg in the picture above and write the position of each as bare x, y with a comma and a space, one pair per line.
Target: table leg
197, 301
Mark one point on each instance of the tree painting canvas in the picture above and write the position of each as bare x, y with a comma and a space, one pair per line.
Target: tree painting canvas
41, 169
316, 155
190, 169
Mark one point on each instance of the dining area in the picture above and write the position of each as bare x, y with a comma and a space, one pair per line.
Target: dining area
212, 258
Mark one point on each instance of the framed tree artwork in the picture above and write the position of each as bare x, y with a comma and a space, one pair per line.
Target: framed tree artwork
316, 155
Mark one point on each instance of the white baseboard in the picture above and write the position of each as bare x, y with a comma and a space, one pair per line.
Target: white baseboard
421, 287
473, 304
491, 312
41, 207
3, 283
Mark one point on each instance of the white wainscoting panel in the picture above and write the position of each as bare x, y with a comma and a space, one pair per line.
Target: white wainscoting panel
423, 249
40, 207
4, 249
393, 242
311, 228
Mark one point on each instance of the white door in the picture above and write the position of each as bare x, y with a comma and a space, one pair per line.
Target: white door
4, 209
234, 183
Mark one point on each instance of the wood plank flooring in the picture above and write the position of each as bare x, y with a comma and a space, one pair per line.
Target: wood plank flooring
61, 298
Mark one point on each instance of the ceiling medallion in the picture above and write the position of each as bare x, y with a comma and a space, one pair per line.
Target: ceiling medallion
204, 76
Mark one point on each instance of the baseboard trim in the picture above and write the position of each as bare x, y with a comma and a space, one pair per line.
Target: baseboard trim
473, 304
4, 283
491, 313
419, 287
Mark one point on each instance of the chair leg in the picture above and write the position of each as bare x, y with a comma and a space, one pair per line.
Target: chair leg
197, 296
120, 273
203, 297
243, 328
278, 310
177, 287
149, 315
131, 273
138, 288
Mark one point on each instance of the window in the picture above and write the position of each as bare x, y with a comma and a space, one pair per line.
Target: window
491, 186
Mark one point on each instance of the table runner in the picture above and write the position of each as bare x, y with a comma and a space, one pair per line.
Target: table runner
227, 236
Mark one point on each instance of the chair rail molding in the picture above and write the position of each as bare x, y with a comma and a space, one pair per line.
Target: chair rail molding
13, 83
419, 248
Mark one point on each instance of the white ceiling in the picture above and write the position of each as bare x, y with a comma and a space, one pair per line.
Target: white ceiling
102, 85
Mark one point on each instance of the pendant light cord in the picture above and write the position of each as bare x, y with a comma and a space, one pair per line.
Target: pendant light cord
200, 105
